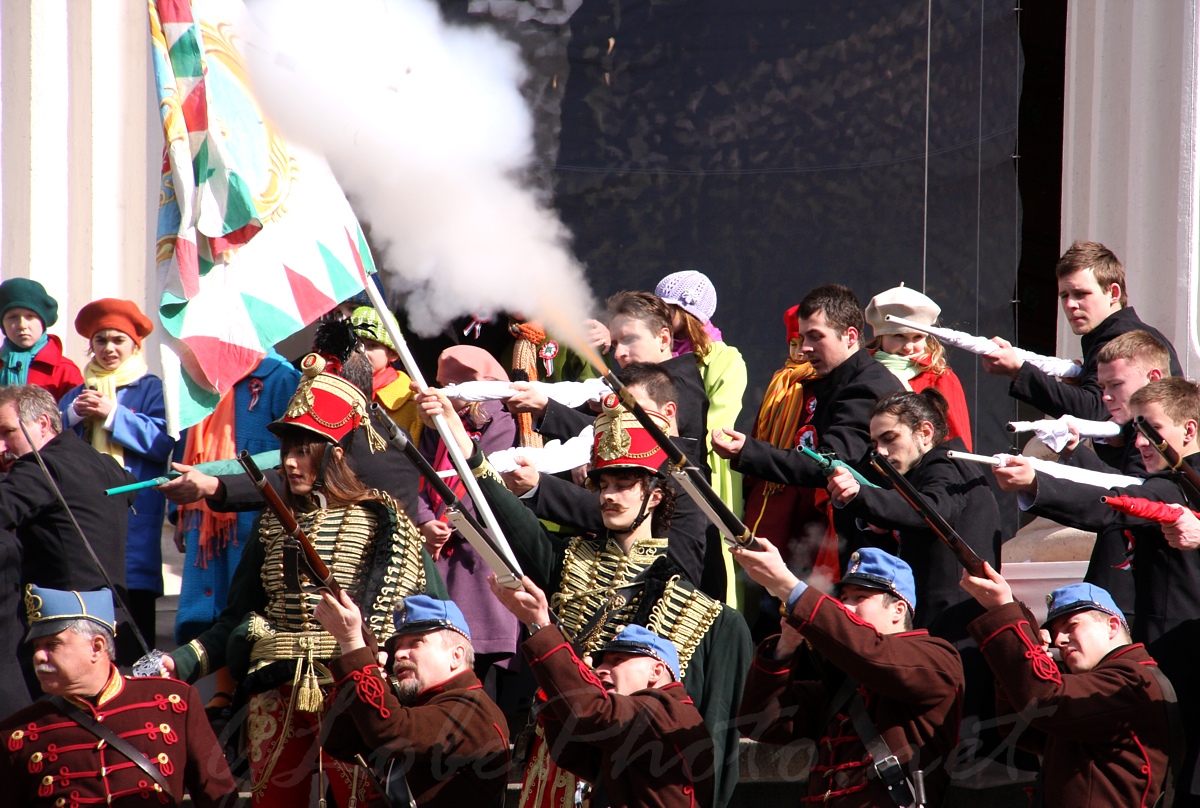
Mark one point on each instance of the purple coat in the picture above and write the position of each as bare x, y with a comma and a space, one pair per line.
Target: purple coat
494, 630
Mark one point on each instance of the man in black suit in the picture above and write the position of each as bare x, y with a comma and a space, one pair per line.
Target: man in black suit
53, 554
838, 416
640, 331
47, 547
1091, 287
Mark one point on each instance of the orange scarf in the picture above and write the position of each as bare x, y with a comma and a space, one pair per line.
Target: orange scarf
782, 407
525, 356
211, 439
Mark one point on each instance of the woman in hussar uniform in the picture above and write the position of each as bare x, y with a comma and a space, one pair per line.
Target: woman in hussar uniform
268, 636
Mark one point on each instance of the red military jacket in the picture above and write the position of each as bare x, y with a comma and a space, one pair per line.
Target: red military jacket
453, 740
650, 748
49, 760
53, 371
1103, 734
911, 683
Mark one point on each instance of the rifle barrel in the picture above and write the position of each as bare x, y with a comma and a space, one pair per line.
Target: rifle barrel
966, 556
1186, 476
689, 477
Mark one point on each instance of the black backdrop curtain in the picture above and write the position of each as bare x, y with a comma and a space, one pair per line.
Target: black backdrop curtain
780, 144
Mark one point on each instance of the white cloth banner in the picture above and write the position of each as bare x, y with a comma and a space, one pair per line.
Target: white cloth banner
569, 394
1074, 474
552, 458
1056, 432
1050, 365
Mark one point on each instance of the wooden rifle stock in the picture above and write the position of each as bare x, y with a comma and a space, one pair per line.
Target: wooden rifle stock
1186, 476
291, 527
690, 478
967, 557
315, 566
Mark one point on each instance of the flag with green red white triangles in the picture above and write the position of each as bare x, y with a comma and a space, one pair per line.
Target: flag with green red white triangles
255, 237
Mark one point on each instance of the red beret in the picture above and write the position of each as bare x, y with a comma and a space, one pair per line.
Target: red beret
109, 312
791, 320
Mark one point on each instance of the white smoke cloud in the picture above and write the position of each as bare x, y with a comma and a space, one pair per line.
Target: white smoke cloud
425, 128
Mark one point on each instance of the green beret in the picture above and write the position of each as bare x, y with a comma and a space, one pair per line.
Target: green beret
28, 294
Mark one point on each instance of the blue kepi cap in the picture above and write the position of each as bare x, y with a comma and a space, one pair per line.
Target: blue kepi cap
422, 613
875, 569
643, 642
50, 611
1078, 597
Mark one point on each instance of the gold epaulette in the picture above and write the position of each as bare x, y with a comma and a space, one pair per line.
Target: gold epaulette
592, 579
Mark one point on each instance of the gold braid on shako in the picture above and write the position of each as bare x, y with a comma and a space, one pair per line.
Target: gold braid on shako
328, 405
620, 440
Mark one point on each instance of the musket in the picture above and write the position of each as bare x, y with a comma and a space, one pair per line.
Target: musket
439, 422
1186, 477
829, 464
967, 557
499, 559
298, 553
685, 472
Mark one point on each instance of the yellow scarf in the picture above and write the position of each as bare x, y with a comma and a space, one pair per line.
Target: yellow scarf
783, 405
106, 382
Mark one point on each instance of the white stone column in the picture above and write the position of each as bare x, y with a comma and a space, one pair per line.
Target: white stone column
80, 150
1130, 155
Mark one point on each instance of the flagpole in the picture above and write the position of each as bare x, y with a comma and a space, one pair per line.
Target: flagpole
456, 456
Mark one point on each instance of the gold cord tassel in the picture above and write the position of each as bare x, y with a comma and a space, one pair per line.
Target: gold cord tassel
309, 698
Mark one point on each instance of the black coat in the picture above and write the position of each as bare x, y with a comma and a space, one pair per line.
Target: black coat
960, 493
840, 423
565, 503
53, 554
388, 471
1108, 567
1081, 398
13, 693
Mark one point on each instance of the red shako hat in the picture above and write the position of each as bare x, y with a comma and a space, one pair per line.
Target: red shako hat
620, 442
328, 405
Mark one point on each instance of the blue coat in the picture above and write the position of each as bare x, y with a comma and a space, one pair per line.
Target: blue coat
140, 425
205, 590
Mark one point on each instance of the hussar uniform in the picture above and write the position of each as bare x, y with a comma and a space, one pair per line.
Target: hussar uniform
268, 636
52, 758
597, 589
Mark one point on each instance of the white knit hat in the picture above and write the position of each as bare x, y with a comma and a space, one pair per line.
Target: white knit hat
691, 291
900, 302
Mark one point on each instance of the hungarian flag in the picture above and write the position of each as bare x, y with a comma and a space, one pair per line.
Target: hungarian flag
255, 237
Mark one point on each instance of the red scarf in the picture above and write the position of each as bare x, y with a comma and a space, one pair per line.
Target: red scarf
383, 377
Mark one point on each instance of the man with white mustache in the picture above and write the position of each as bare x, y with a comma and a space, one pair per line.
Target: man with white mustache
436, 739
103, 738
